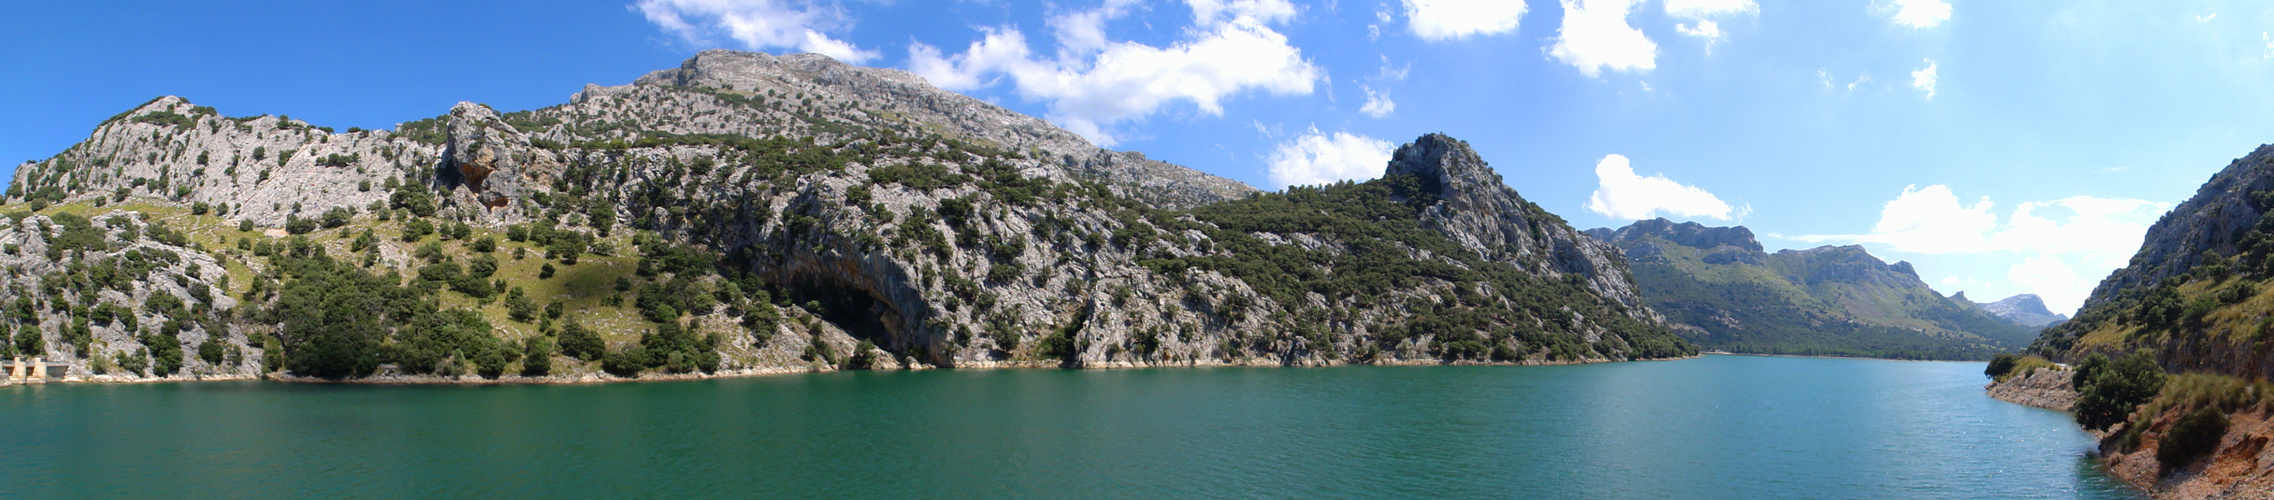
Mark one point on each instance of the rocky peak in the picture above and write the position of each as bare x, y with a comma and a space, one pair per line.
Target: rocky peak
748, 71
2208, 224
1689, 234
1474, 208
1448, 168
1848, 264
891, 95
2026, 309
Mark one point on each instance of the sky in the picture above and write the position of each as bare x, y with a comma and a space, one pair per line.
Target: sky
2002, 147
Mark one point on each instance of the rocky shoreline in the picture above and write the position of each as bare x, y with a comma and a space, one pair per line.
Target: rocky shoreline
2242, 468
598, 377
2047, 388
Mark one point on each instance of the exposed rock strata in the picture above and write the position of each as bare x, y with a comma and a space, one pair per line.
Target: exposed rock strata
2046, 388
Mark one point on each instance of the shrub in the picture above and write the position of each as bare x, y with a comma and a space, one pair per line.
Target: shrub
625, 363
537, 356
519, 308
211, 350
545, 271
296, 225
244, 225
2001, 365
485, 245
416, 229
581, 343
2192, 436
2109, 391
338, 216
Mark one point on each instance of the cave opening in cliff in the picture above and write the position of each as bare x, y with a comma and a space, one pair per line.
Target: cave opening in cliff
852, 309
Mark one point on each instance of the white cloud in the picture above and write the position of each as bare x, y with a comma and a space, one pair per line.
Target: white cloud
1595, 36
757, 24
2061, 256
1924, 79
1622, 194
1914, 13
1700, 14
1085, 30
1378, 104
1317, 158
1092, 83
2206, 18
1440, 20
1861, 80
1707, 8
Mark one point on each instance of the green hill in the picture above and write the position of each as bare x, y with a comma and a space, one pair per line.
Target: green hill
1723, 292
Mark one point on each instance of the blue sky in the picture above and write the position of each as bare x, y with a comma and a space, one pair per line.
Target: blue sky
2004, 147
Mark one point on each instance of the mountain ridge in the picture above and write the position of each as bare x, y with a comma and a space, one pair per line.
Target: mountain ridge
1722, 290
748, 213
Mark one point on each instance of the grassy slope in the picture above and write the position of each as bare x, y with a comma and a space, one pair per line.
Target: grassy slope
583, 288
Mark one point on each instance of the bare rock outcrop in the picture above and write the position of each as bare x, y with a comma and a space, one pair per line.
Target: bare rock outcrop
2047, 388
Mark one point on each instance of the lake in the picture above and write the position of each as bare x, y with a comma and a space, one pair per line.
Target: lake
1713, 427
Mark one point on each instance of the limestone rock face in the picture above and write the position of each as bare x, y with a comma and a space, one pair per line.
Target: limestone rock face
266, 169
2209, 223
1475, 208
493, 162
900, 96
870, 208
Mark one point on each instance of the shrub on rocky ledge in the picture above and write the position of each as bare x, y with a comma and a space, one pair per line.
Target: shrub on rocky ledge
2192, 436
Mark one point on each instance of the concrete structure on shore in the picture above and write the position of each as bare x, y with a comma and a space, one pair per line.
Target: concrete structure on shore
35, 371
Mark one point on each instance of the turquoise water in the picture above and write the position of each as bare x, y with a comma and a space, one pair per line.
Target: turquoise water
1715, 427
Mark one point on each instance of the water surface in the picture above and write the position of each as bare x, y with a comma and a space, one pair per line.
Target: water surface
1715, 427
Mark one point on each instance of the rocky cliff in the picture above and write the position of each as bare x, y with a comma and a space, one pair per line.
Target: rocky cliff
2194, 292
1722, 291
749, 213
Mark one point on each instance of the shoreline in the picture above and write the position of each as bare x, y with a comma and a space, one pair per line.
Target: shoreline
598, 377
1820, 356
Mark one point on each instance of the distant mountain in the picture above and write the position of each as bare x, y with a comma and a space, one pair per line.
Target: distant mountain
2026, 310
1722, 291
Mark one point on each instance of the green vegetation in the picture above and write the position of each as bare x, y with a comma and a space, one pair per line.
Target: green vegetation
2008, 365
167, 118
2108, 391
2193, 435
1377, 221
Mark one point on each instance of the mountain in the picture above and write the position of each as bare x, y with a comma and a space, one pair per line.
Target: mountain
748, 213
2193, 292
1722, 291
2187, 321
2026, 310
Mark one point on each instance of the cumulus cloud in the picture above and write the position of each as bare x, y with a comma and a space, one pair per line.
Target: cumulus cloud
1439, 20
2065, 246
1318, 158
1701, 13
1620, 193
757, 24
1924, 79
1595, 36
1092, 83
1378, 104
1914, 13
